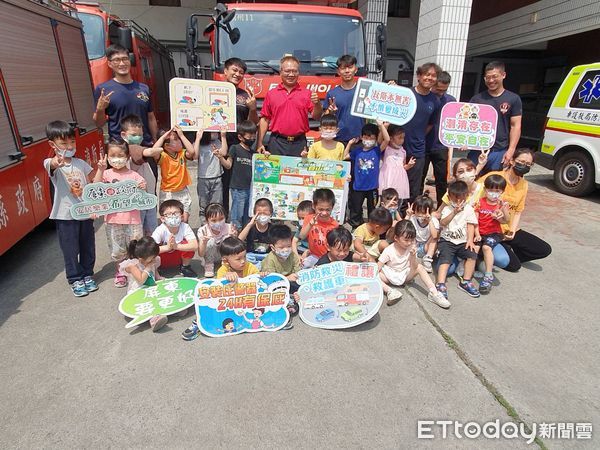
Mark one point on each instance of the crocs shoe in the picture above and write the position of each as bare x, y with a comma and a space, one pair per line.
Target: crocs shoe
90, 284
469, 288
120, 280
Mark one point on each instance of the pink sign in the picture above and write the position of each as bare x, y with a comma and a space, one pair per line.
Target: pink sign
470, 125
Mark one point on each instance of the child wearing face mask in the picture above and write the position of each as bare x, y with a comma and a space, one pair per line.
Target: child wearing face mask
394, 165
365, 176
121, 227
211, 235
464, 170
132, 132
491, 213
427, 227
174, 175
256, 233
208, 147
239, 160
390, 200
327, 148
176, 238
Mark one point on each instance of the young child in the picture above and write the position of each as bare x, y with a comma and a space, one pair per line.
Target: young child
77, 240
121, 227
176, 238
300, 246
234, 265
327, 148
141, 269
491, 213
339, 241
174, 175
457, 238
390, 200
239, 161
132, 132
367, 242
365, 162
398, 265
211, 235
256, 232
208, 147
317, 225
283, 260
464, 170
394, 165
427, 226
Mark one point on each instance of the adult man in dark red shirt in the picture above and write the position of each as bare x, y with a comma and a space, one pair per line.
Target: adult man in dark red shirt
285, 112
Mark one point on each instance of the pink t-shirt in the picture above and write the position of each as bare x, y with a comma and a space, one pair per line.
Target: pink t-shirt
128, 217
394, 259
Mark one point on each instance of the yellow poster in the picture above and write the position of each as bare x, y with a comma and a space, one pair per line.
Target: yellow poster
202, 104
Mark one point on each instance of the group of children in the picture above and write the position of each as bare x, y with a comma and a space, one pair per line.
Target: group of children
404, 246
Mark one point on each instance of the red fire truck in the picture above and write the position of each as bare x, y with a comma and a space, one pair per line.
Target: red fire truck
44, 76
261, 34
151, 62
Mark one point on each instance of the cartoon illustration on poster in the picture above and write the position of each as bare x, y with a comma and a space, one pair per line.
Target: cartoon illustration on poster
202, 104
339, 294
381, 101
167, 297
468, 125
251, 305
106, 198
287, 181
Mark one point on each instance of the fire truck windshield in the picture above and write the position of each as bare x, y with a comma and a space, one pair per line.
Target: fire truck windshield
317, 40
93, 28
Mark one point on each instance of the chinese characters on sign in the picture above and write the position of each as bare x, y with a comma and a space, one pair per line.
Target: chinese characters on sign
468, 125
381, 101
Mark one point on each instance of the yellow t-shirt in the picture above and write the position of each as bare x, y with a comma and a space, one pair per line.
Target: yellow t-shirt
368, 238
173, 172
317, 151
514, 195
249, 269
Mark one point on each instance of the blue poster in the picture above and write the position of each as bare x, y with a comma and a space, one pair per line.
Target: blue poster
381, 101
250, 305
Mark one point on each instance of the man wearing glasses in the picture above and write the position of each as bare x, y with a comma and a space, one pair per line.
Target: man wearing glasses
285, 113
122, 96
510, 110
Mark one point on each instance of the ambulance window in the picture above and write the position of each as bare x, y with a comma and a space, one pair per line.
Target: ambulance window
93, 26
32, 71
587, 94
8, 144
78, 74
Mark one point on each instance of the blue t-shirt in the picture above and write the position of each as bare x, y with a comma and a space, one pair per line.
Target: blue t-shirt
432, 141
507, 105
416, 129
350, 126
366, 168
131, 98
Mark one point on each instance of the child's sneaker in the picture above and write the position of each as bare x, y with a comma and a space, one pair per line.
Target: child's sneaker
90, 284
187, 271
209, 270
120, 280
469, 288
427, 263
157, 322
393, 296
439, 299
293, 307
79, 289
191, 332
485, 286
442, 289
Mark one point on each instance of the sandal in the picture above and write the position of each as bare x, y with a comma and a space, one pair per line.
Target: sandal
120, 280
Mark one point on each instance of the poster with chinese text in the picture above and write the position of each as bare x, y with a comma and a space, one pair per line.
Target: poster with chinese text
381, 101
202, 104
470, 125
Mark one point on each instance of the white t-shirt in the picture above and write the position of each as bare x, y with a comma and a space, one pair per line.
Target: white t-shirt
162, 234
68, 182
424, 233
394, 259
456, 230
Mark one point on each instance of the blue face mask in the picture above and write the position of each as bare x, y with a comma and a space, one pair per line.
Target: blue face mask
135, 139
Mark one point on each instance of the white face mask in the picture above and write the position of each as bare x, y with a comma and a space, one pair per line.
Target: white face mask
467, 177
117, 163
328, 134
65, 152
217, 226
263, 219
173, 221
284, 253
493, 196
368, 143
